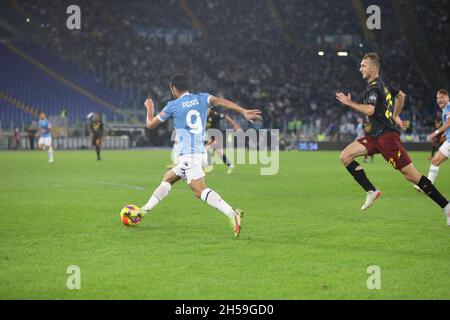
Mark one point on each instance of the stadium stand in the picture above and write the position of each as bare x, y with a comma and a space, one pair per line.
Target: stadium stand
262, 54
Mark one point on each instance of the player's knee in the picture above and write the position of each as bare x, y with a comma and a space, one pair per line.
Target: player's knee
168, 178
411, 176
198, 194
345, 158
408, 177
435, 161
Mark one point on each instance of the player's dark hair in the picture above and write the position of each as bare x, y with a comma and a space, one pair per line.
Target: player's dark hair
179, 81
443, 91
374, 57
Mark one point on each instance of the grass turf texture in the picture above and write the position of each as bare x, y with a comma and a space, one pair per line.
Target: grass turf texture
304, 236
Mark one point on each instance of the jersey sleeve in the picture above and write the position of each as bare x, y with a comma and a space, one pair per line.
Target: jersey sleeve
394, 91
372, 97
206, 97
165, 114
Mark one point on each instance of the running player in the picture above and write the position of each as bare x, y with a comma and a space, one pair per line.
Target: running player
45, 139
189, 112
213, 122
384, 138
96, 128
444, 151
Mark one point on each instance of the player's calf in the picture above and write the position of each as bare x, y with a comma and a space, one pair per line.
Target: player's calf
359, 175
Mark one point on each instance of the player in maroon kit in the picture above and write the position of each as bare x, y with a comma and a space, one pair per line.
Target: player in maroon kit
384, 138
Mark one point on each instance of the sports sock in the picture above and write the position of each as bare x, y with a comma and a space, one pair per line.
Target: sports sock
431, 191
214, 200
50, 154
432, 174
226, 160
158, 195
360, 176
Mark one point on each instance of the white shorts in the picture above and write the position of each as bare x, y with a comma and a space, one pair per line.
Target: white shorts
45, 141
445, 149
190, 167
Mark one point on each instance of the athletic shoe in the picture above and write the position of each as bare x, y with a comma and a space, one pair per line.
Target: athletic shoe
370, 199
417, 188
230, 169
447, 213
208, 169
51, 161
236, 222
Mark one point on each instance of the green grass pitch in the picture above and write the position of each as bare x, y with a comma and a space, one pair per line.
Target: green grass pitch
304, 236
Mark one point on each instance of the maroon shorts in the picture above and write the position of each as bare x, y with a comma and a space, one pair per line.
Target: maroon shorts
390, 147
96, 141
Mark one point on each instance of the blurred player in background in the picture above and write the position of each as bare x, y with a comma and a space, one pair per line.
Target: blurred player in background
96, 128
45, 136
385, 135
189, 113
213, 122
444, 151
359, 128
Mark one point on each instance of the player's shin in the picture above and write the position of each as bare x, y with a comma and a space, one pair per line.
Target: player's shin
214, 200
158, 195
431, 191
360, 176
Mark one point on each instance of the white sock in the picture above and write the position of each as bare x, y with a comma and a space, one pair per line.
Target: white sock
432, 174
214, 200
50, 154
160, 193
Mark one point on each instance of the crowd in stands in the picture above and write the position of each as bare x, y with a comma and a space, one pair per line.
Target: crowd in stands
259, 55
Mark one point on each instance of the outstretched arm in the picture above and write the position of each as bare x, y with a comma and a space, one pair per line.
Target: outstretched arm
367, 109
152, 121
250, 115
399, 103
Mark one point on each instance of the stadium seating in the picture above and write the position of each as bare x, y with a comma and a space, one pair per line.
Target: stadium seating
29, 82
261, 54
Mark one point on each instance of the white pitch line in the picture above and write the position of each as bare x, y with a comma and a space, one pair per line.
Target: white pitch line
113, 184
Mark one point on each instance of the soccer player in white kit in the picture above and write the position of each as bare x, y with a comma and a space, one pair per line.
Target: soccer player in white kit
189, 113
443, 154
45, 139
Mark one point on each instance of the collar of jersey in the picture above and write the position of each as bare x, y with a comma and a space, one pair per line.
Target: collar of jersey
184, 94
373, 82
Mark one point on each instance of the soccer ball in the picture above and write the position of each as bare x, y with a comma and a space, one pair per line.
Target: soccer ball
128, 215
